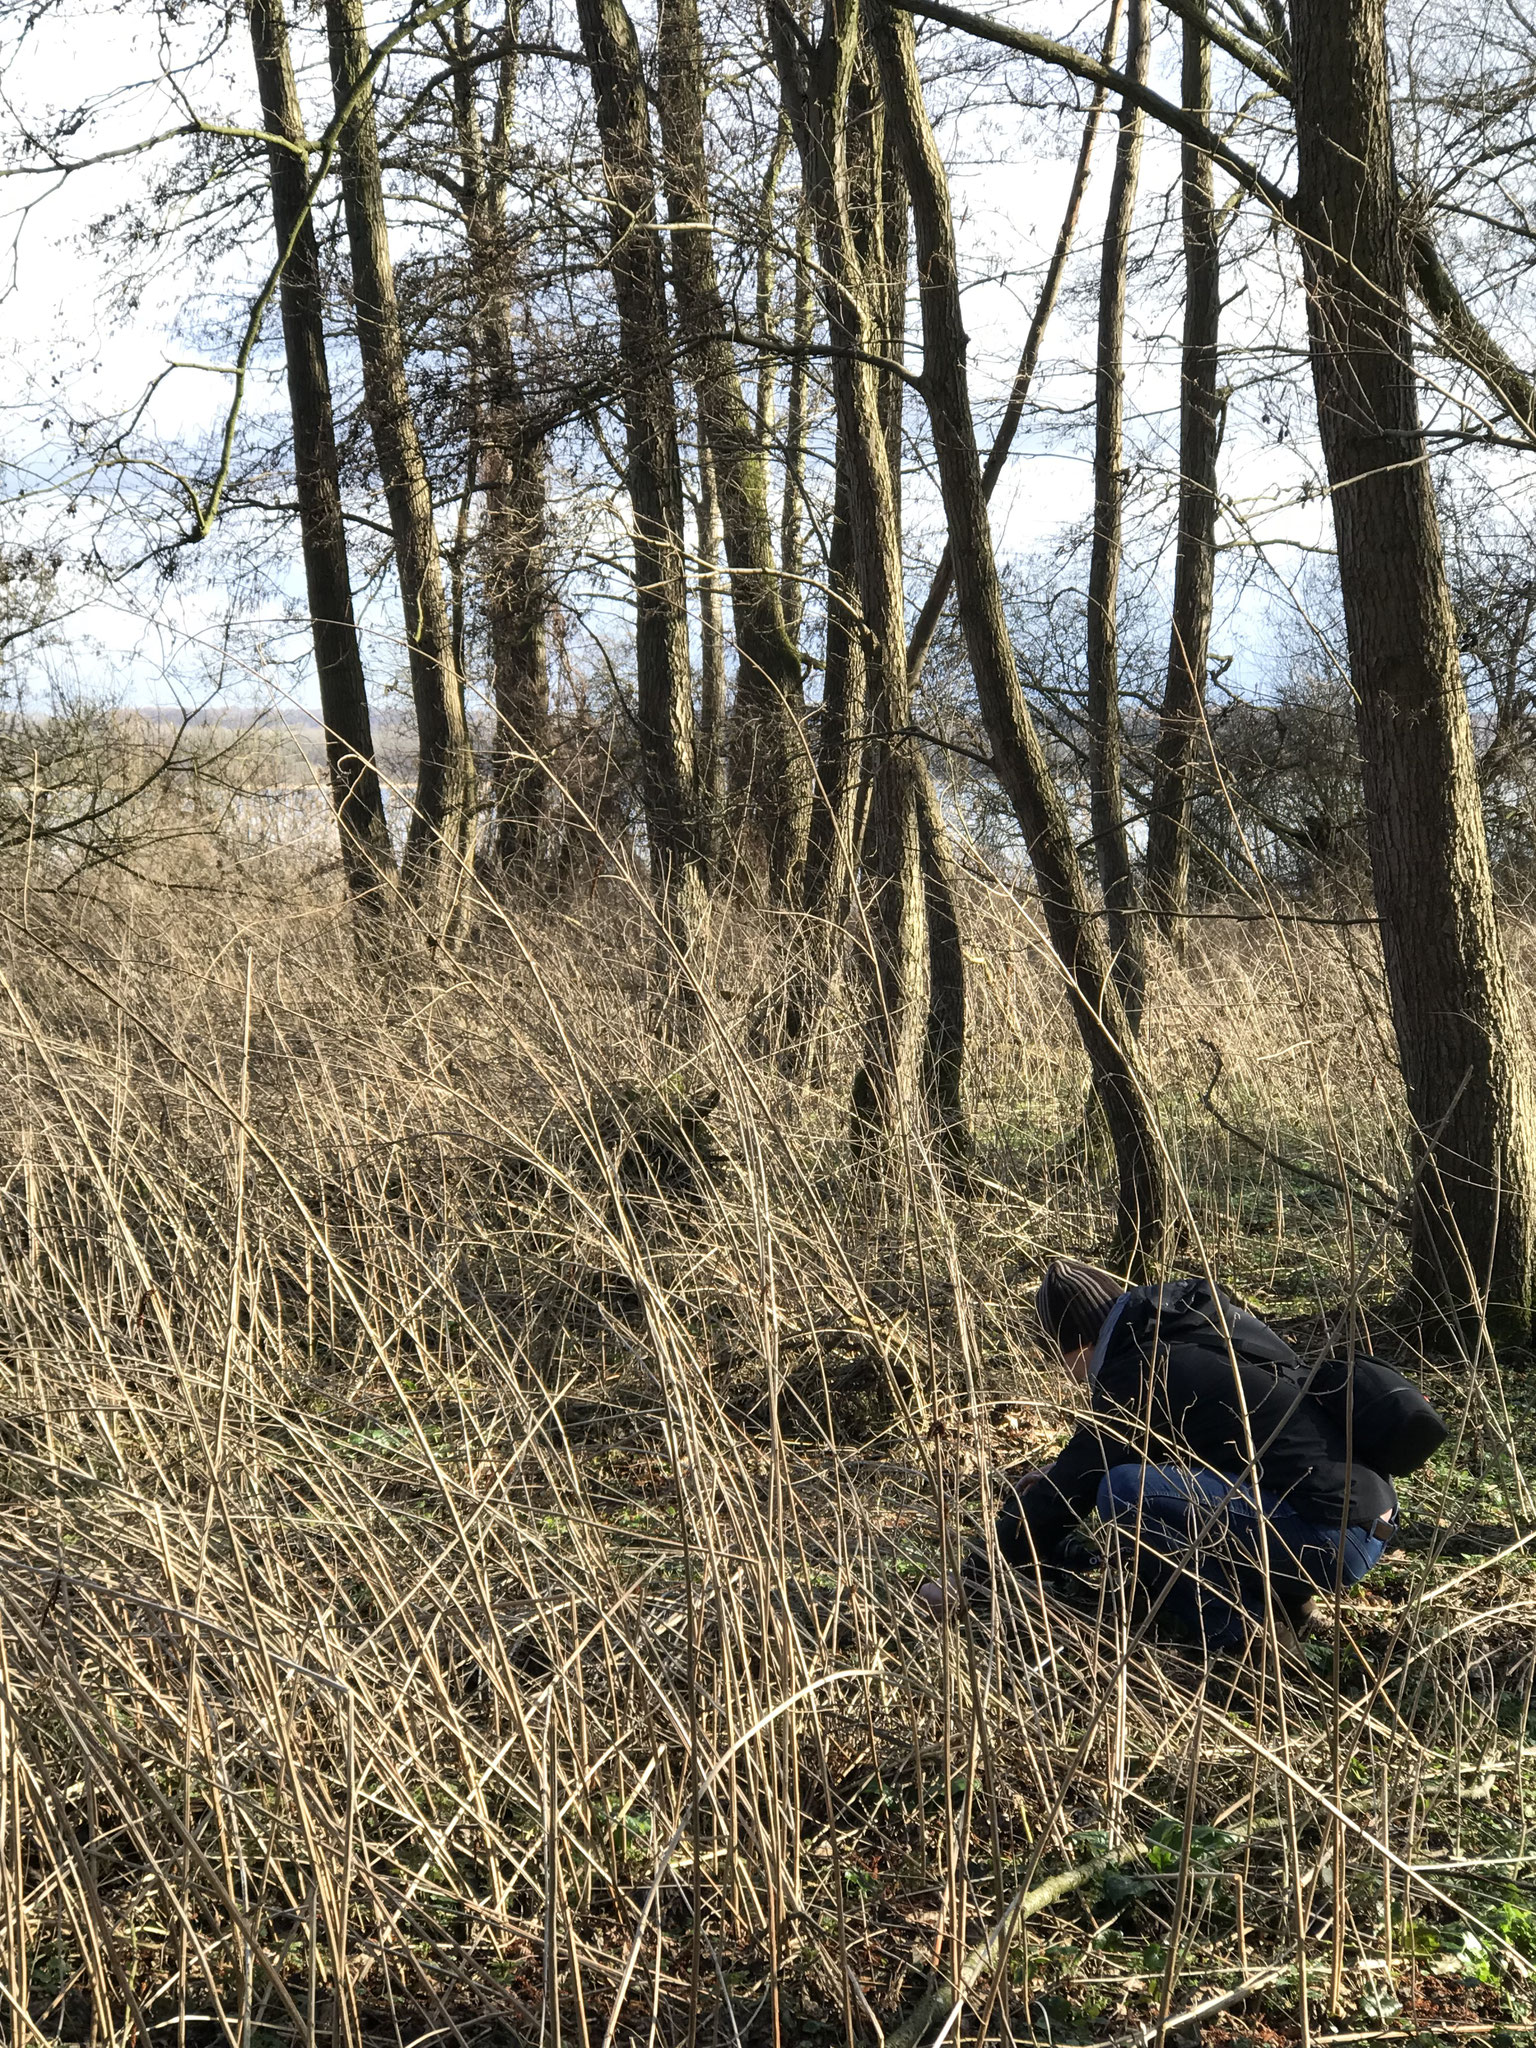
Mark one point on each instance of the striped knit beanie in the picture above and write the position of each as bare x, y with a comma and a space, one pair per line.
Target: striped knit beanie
1072, 1301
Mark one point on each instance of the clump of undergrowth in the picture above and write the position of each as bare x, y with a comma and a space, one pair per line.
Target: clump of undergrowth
467, 1468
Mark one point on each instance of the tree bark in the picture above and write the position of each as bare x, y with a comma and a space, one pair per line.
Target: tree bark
1105, 736
770, 697
367, 858
653, 471
440, 839
1465, 1065
840, 161
796, 430
1144, 1192
1050, 290
945, 1032
1181, 725
514, 588
711, 750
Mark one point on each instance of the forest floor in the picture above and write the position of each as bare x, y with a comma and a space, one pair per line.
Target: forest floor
467, 1471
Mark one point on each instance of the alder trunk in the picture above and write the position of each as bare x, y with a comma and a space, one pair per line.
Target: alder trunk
1181, 724
440, 839
367, 858
1464, 1061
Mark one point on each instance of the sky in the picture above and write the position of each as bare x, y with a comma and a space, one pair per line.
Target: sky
68, 346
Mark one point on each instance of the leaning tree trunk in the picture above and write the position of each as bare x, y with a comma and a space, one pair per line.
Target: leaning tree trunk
770, 698
927, 623
1181, 726
653, 473
440, 840
1119, 1077
514, 587
1464, 1061
367, 859
816, 85
1106, 749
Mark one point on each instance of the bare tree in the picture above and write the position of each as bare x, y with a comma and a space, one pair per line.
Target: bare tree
440, 838
1105, 737
1181, 724
1464, 1060
653, 472
1144, 1192
367, 857
770, 701
834, 113
511, 461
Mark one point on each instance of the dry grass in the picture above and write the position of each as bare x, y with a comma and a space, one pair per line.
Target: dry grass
459, 1542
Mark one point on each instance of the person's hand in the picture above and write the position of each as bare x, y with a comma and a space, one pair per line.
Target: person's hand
1021, 1482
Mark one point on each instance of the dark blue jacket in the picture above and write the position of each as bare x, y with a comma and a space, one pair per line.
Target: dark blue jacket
1188, 1376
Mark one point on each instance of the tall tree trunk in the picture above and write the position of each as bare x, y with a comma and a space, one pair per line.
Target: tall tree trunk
840, 159
367, 859
712, 783
1181, 726
1119, 1078
514, 588
1465, 1064
796, 430
997, 455
653, 472
1105, 736
770, 697
440, 840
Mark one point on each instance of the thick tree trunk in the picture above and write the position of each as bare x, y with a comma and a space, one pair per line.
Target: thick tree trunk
367, 858
514, 590
1181, 726
440, 840
1105, 736
1465, 1065
770, 697
840, 160
654, 470
1144, 1192
1050, 290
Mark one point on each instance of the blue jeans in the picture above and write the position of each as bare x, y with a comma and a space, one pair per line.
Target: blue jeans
1218, 1577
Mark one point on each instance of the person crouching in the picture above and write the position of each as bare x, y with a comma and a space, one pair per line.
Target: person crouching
1224, 1485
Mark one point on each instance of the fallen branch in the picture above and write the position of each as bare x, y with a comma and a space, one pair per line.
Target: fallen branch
941, 2004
